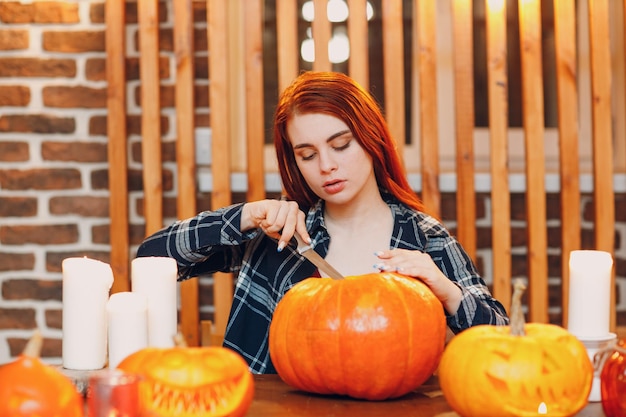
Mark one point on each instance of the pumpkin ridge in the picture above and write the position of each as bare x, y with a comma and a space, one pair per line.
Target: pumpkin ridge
400, 388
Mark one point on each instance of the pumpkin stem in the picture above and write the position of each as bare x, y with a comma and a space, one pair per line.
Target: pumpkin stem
179, 340
517, 315
33, 347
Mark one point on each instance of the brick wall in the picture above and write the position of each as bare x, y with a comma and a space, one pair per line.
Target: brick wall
53, 161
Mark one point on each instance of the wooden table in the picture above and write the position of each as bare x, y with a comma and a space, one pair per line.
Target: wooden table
273, 398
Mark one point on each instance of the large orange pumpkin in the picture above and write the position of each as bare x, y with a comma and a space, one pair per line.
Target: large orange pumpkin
613, 382
519, 370
373, 336
191, 381
31, 388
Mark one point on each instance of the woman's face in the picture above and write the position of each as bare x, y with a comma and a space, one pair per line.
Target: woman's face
331, 160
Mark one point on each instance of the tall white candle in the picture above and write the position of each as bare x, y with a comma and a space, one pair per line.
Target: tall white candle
589, 293
155, 278
86, 285
127, 318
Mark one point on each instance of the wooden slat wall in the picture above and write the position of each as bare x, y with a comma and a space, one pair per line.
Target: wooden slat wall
424, 75
117, 153
498, 129
185, 154
604, 207
566, 65
532, 97
462, 27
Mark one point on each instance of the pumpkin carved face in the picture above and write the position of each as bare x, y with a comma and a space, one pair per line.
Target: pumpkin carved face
373, 336
488, 371
613, 382
191, 381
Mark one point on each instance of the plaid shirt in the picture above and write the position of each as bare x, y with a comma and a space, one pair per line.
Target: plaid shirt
212, 241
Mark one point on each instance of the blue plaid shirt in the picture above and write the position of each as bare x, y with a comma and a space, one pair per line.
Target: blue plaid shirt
212, 241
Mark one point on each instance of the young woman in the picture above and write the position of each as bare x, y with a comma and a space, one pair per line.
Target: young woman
347, 194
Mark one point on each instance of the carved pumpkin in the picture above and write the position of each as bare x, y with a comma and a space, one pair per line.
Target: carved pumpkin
191, 381
30, 388
373, 336
518, 370
613, 382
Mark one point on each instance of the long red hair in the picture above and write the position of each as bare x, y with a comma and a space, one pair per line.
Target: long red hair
338, 95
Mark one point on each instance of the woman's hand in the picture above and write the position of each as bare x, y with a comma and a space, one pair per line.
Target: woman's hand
420, 265
277, 218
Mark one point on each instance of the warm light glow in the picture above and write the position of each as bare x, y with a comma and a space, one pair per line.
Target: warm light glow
307, 50
543, 408
336, 11
338, 48
495, 6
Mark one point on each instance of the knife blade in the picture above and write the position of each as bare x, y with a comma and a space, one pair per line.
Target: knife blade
308, 252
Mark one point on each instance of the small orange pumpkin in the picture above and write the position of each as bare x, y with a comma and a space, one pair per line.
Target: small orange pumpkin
191, 381
518, 370
31, 388
373, 336
613, 381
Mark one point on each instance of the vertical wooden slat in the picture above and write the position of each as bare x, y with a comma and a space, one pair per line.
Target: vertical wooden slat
254, 99
219, 103
321, 36
463, 17
287, 42
117, 153
567, 97
429, 131
185, 155
603, 194
532, 99
498, 131
358, 64
150, 114
393, 69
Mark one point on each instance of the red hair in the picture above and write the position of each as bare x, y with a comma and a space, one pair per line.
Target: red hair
338, 95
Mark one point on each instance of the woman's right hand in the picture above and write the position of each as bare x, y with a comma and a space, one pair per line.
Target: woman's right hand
278, 219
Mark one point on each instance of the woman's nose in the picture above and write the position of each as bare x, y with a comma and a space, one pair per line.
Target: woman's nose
327, 162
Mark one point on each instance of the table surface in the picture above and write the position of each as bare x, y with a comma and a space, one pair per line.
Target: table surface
276, 399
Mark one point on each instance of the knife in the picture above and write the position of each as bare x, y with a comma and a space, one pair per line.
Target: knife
307, 251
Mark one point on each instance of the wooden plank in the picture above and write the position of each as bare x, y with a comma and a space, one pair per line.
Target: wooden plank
321, 36
462, 16
532, 99
393, 70
117, 143
429, 130
150, 114
185, 155
498, 131
567, 98
255, 123
287, 42
219, 103
358, 64
603, 194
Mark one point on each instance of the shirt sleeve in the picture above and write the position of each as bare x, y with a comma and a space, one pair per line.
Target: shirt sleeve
477, 305
208, 242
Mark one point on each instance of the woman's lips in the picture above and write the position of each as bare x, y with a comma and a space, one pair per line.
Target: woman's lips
333, 187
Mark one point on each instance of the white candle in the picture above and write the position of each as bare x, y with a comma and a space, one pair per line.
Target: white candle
86, 285
589, 293
155, 278
127, 315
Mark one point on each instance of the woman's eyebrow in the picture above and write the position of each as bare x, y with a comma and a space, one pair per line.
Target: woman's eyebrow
331, 137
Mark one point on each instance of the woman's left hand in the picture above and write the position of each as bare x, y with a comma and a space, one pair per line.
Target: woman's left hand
420, 265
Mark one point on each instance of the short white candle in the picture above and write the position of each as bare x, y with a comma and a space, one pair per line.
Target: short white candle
155, 278
86, 285
127, 315
589, 293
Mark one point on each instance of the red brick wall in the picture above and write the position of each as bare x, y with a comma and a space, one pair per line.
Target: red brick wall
53, 160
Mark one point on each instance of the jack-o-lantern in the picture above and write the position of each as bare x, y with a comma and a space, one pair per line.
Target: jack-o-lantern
373, 336
31, 388
191, 381
518, 370
613, 381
